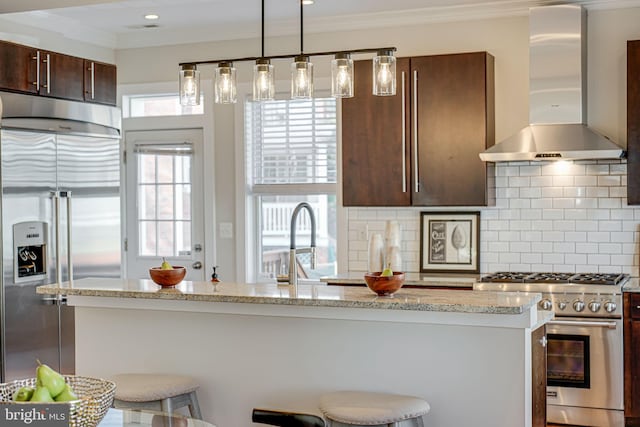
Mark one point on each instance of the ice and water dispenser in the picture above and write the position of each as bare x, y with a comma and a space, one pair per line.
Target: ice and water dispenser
30, 251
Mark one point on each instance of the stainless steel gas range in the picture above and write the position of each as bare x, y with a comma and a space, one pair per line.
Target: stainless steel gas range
584, 342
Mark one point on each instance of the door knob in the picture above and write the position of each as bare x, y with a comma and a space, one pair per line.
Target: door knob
197, 265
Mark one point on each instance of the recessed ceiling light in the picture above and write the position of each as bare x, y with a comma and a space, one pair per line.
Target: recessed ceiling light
306, 2
151, 16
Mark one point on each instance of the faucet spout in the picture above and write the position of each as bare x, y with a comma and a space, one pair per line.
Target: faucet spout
293, 271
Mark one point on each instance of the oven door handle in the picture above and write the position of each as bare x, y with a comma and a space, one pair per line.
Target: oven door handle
603, 324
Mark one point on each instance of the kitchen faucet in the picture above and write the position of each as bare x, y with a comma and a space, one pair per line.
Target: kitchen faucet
293, 270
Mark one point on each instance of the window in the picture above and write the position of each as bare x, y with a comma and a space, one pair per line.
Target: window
164, 198
150, 105
291, 158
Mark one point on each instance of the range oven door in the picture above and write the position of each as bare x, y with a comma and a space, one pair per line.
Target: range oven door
584, 370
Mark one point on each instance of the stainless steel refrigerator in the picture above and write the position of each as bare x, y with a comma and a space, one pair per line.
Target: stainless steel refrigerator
60, 172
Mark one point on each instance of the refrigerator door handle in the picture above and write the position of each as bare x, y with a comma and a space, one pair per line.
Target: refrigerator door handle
67, 194
56, 212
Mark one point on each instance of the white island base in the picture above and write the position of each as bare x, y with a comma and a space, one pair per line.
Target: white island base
473, 368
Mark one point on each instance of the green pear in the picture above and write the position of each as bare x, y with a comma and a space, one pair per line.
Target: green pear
47, 377
67, 395
165, 265
23, 394
387, 272
41, 394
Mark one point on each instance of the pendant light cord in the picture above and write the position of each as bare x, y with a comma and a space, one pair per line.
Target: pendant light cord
262, 30
301, 28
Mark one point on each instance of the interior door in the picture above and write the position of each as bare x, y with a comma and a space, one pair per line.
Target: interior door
165, 211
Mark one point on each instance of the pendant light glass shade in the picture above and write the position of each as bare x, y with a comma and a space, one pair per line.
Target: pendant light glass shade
225, 83
301, 78
342, 76
384, 73
189, 85
264, 88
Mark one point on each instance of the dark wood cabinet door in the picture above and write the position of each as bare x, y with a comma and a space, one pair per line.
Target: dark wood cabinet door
631, 328
375, 142
633, 122
99, 82
539, 377
61, 76
18, 68
453, 112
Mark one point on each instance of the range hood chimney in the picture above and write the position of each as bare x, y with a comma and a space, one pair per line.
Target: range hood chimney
557, 94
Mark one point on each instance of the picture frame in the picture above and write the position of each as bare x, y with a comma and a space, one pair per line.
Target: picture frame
449, 242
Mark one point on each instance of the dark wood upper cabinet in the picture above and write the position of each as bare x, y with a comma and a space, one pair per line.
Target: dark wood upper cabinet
420, 147
61, 76
375, 141
45, 73
99, 82
633, 122
18, 68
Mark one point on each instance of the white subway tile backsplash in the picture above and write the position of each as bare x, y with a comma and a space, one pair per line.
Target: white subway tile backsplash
610, 248
548, 216
597, 170
553, 214
609, 180
610, 225
552, 192
586, 181
530, 170
541, 181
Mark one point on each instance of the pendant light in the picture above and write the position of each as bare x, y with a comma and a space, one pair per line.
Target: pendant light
264, 87
225, 83
342, 76
384, 73
301, 68
189, 85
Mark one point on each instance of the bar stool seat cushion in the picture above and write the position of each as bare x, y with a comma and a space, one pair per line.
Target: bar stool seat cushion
370, 408
151, 387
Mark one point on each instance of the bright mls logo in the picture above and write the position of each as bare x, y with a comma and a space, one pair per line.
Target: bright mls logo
32, 415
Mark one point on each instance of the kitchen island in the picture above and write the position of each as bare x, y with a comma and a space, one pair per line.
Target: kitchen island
467, 353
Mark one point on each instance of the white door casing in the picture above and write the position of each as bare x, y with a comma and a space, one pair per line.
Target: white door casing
167, 166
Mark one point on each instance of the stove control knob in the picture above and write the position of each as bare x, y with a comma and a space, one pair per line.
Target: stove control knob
578, 305
545, 304
610, 306
562, 305
594, 306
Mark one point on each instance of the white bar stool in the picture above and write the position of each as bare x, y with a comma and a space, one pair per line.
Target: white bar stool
360, 408
163, 392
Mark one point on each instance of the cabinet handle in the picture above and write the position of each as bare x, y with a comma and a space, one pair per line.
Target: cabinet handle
37, 59
48, 84
415, 131
404, 139
93, 80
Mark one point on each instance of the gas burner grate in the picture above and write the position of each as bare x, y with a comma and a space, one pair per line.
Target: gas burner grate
506, 277
549, 278
598, 278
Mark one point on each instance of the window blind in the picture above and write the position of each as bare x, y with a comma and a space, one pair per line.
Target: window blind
291, 142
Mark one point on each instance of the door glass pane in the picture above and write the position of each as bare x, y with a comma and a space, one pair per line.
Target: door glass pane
276, 211
164, 199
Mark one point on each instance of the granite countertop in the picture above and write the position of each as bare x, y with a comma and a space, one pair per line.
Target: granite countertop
632, 285
431, 280
413, 299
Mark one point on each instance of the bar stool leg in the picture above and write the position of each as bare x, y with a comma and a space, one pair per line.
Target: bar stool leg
194, 407
167, 406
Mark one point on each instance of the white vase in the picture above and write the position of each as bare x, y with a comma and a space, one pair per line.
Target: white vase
393, 259
392, 234
376, 252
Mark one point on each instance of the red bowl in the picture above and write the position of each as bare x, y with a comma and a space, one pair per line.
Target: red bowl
384, 285
167, 278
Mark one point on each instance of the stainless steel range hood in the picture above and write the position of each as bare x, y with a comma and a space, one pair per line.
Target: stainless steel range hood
557, 94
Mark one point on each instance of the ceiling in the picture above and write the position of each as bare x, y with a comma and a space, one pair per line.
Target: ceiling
120, 24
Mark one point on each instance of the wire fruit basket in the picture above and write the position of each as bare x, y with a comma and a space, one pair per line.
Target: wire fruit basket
95, 397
